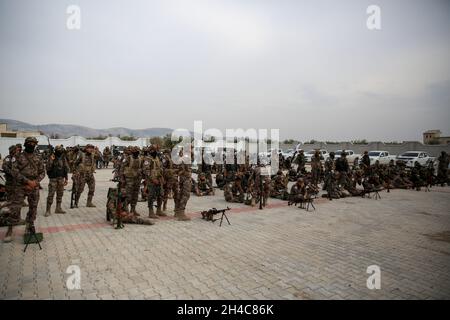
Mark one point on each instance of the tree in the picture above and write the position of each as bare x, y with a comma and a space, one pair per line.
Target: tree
157, 141
168, 143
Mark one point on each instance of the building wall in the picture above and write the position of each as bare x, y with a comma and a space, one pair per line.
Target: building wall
73, 141
432, 150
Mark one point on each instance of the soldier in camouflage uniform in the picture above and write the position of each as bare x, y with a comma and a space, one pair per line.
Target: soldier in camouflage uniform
7, 169
316, 168
279, 186
203, 186
329, 173
170, 179
57, 171
153, 174
300, 161
298, 192
27, 172
106, 157
84, 173
184, 193
131, 173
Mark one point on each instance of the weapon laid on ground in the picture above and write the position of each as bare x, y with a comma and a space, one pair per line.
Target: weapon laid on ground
208, 215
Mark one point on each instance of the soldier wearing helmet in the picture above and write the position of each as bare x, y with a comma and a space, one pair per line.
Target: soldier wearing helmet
84, 174
57, 169
153, 175
131, 171
27, 172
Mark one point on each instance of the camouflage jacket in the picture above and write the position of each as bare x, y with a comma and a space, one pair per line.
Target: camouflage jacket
27, 167
131, 167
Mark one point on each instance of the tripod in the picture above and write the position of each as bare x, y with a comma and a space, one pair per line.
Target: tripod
32, 235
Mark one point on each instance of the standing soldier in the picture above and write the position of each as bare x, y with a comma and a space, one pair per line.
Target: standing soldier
130, 177
106, 157
329, 174
365, 163
206, 166
184, 193
170, 179
27, 171
300, 161
58, 172
85, 168
154, 181
316, 168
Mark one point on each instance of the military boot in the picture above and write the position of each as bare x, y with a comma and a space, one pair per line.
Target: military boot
8, 235
89, 203
47, 211
181, 216
59, 209
133, 210
151, 214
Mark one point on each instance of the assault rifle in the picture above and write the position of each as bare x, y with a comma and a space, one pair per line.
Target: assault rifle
208, 215
73, 194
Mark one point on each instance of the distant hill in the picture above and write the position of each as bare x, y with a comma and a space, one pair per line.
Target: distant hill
68, 130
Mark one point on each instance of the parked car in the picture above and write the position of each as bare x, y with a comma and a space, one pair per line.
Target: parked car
351, 155
288, 153
310, 154
383, 157
410, 157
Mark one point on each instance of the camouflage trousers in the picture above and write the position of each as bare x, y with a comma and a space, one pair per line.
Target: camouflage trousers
19, 195
170, 185
55, 185
155, 193
315, 175
9, 189
132, 186
83, 179
183, 194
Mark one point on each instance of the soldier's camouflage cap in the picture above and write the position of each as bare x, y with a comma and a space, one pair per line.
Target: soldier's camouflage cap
12, 148
89, 146
31, 140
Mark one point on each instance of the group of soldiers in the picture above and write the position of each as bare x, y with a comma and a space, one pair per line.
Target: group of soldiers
336, 176
161, 179
25, 168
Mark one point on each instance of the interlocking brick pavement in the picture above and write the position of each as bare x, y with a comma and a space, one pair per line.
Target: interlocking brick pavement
277, 253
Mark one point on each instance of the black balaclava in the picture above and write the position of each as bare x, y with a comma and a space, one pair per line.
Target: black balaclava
29, 147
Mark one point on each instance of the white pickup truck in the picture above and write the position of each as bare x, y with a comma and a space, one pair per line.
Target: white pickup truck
410, 157
383, 157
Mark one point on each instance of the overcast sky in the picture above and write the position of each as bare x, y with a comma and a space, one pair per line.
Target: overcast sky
309, 68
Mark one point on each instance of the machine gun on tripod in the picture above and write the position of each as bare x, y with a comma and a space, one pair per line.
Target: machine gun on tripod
32, 237
208, 215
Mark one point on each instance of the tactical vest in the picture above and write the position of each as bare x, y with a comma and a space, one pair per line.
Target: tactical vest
132, 167
152, 168
58, 169
87, 164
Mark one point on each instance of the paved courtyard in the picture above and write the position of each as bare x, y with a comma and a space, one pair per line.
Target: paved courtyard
280, 252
